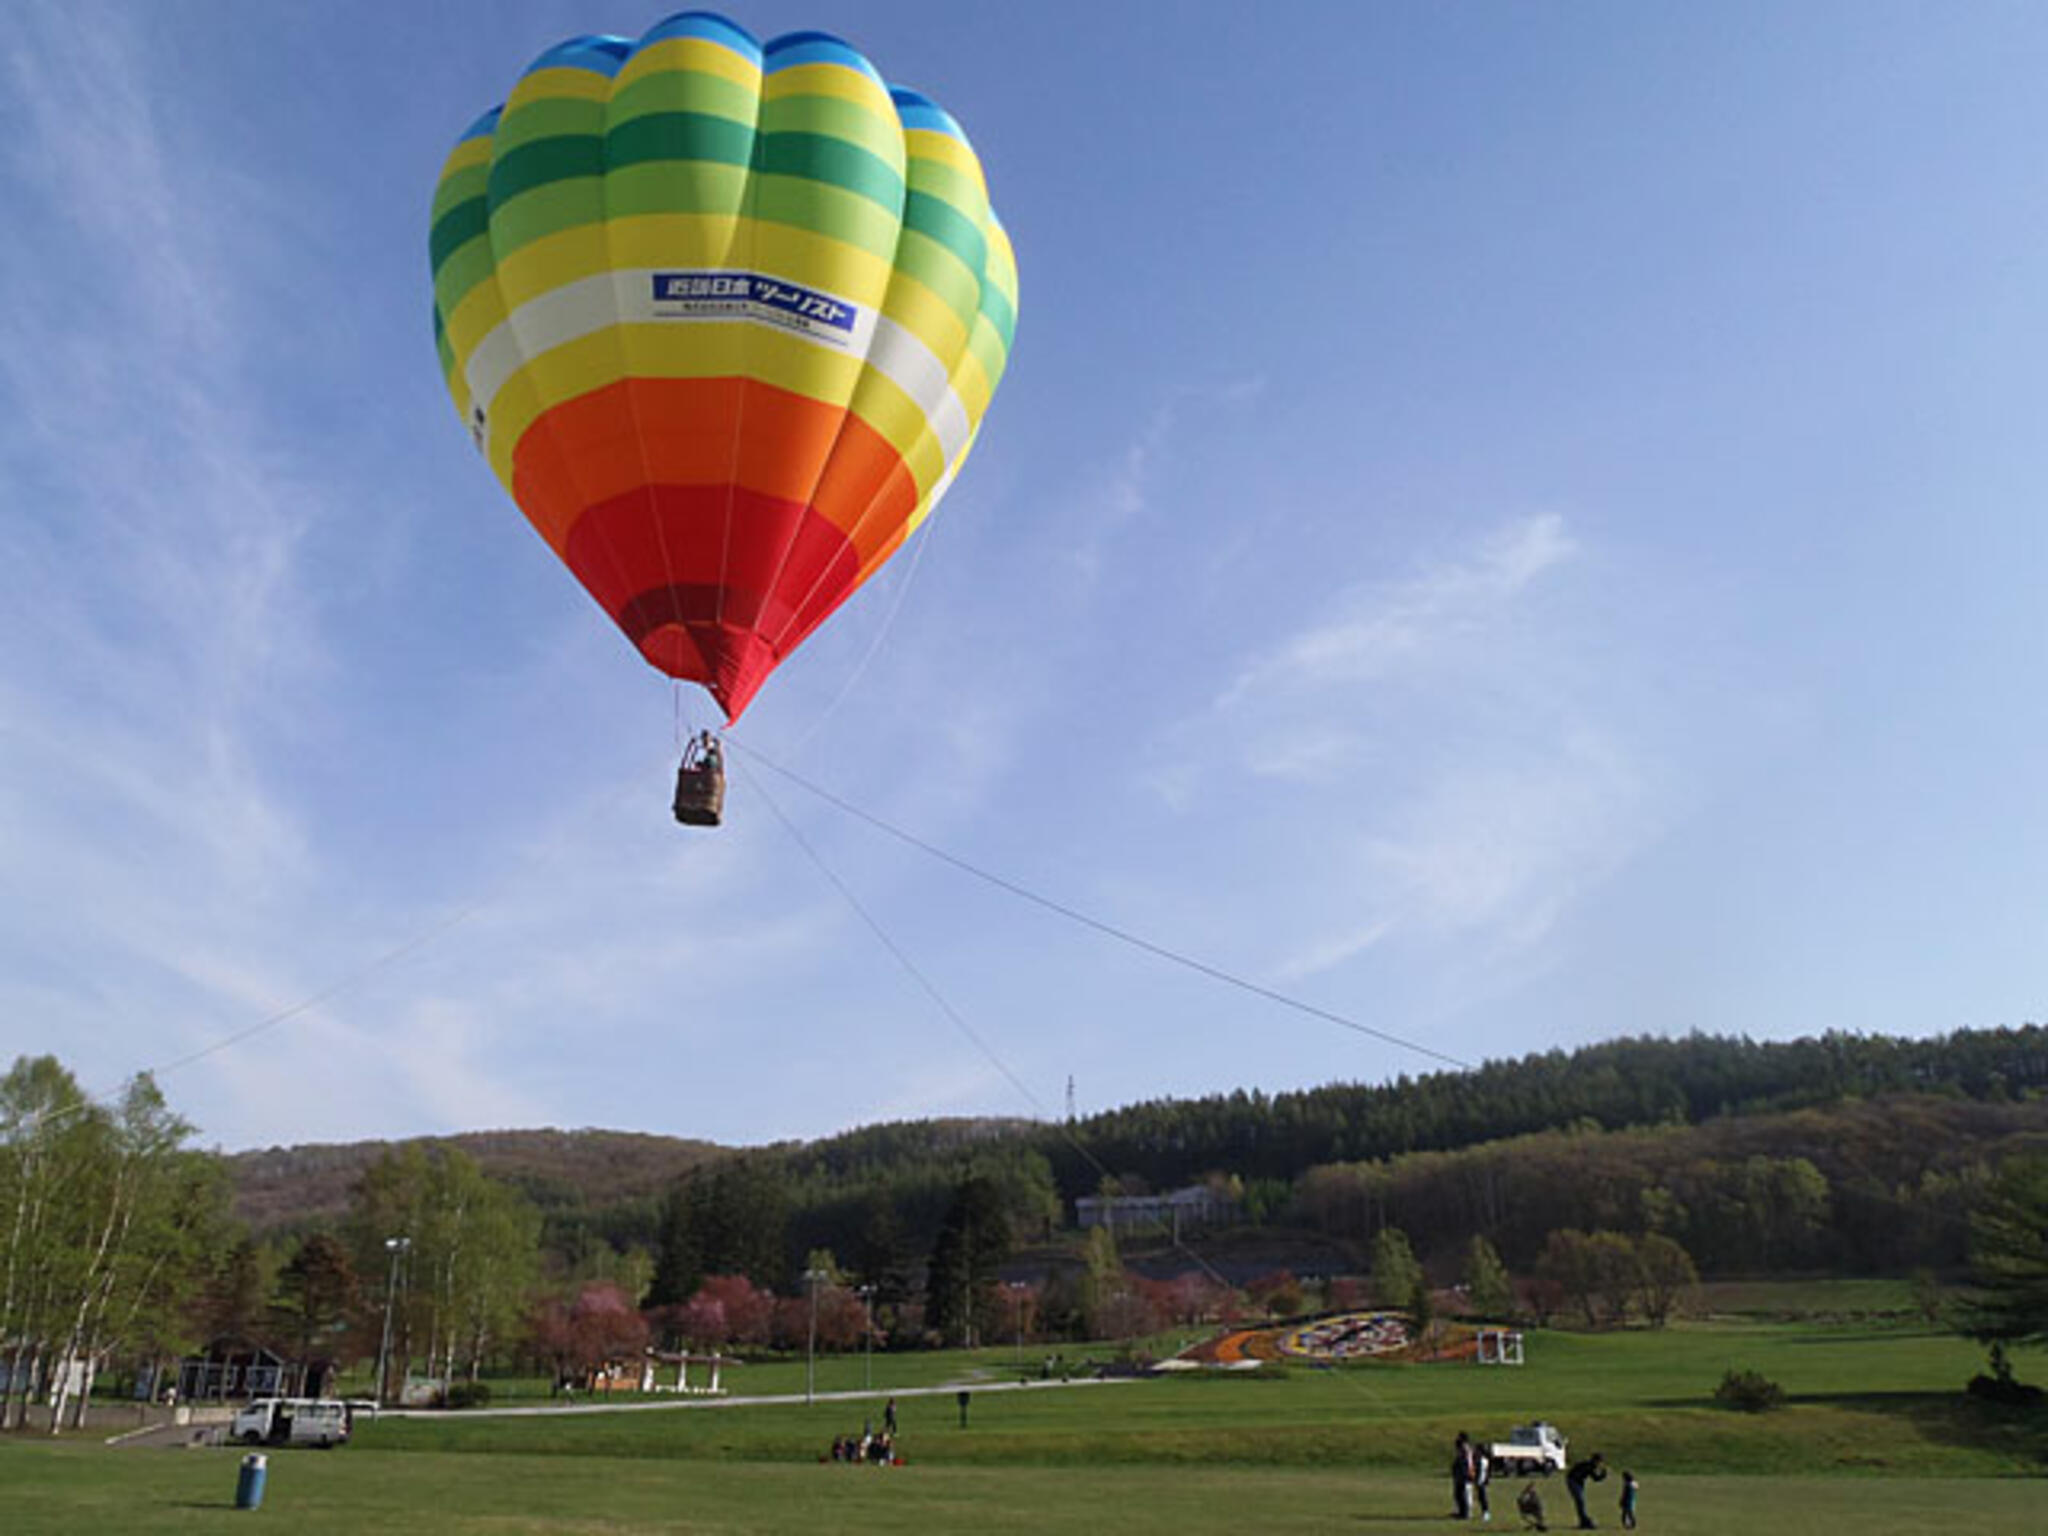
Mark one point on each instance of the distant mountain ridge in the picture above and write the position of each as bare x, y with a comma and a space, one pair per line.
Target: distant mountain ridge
285, 1188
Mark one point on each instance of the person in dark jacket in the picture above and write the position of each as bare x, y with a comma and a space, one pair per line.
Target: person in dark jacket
1464, 1468
1592, 1470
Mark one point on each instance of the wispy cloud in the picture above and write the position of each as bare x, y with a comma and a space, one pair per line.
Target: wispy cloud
1452, 736
153, 600
1380, 632
1497, 851
1120, 491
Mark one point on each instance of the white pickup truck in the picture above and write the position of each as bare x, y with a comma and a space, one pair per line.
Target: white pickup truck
1530, 1450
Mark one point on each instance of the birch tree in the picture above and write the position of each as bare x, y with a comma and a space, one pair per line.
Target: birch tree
107, 1220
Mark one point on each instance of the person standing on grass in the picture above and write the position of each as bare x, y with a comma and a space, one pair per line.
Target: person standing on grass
1592, 1470
1482, 1474
1461, 1477
889, 1417
1629, 1485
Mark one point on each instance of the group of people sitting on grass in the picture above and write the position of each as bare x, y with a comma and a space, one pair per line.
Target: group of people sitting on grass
875, 1450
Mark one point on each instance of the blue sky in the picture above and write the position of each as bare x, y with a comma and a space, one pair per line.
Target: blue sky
1514, 525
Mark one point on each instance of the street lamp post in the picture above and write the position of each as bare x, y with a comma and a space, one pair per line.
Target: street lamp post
811, 1278
867, 1338
397, 1248
1017, 1289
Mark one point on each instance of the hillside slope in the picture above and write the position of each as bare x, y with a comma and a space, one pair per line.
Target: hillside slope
290, 1188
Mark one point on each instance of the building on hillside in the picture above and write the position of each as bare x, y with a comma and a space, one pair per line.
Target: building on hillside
1184, 1209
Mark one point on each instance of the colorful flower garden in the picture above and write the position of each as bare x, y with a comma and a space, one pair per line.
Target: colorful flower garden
1343, 1336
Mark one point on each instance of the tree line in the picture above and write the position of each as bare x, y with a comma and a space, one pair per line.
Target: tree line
1591, 1185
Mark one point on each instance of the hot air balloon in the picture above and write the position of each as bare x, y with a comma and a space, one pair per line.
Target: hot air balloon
724, 318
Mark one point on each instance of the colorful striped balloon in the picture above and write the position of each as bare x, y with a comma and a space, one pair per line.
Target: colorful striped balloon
724, 318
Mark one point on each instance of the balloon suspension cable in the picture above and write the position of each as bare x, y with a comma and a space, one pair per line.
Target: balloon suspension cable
425, 937
974, 1037
1110, 930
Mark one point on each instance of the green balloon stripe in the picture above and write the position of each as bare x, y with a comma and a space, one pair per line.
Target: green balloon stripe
836, 118
466, 266
824, 162
806, 203
544, 163
683, 90
950, 185
1000, 311
666, 186
834, 162
456, 228
459, 186
656, 136
945, 224
939, 267
546, 117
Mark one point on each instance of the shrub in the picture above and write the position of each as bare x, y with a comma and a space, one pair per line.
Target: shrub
1750, 1391
469, 1394
2001, 1386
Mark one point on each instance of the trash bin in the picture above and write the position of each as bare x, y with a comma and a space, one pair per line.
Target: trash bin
249, 1486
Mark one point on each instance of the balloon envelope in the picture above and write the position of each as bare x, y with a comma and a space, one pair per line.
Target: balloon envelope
724, 317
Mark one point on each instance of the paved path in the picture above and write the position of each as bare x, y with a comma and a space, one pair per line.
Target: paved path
188, 1434
599, 1405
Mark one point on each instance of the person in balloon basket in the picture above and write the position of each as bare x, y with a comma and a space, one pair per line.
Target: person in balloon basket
1592, 1470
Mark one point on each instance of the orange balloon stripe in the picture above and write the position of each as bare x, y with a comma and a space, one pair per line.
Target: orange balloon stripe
714, 560
593, 449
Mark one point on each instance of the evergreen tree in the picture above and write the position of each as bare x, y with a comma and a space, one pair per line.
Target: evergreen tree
731, 1218
316, 1296
973, 1243
2009, 1256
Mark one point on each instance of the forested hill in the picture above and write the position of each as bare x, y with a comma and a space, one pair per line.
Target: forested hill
308, 1186
1613, 1086
611, 1181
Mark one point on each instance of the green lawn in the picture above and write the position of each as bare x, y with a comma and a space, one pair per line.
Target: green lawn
57, 1490
1859, 1401
1876, 1436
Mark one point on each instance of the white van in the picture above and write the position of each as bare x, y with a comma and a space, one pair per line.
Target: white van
292, 1421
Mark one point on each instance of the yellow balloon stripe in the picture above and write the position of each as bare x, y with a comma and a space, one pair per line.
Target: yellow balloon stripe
689, 56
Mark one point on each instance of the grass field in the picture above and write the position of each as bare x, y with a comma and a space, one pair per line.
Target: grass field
63, 1489
1876, 1438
